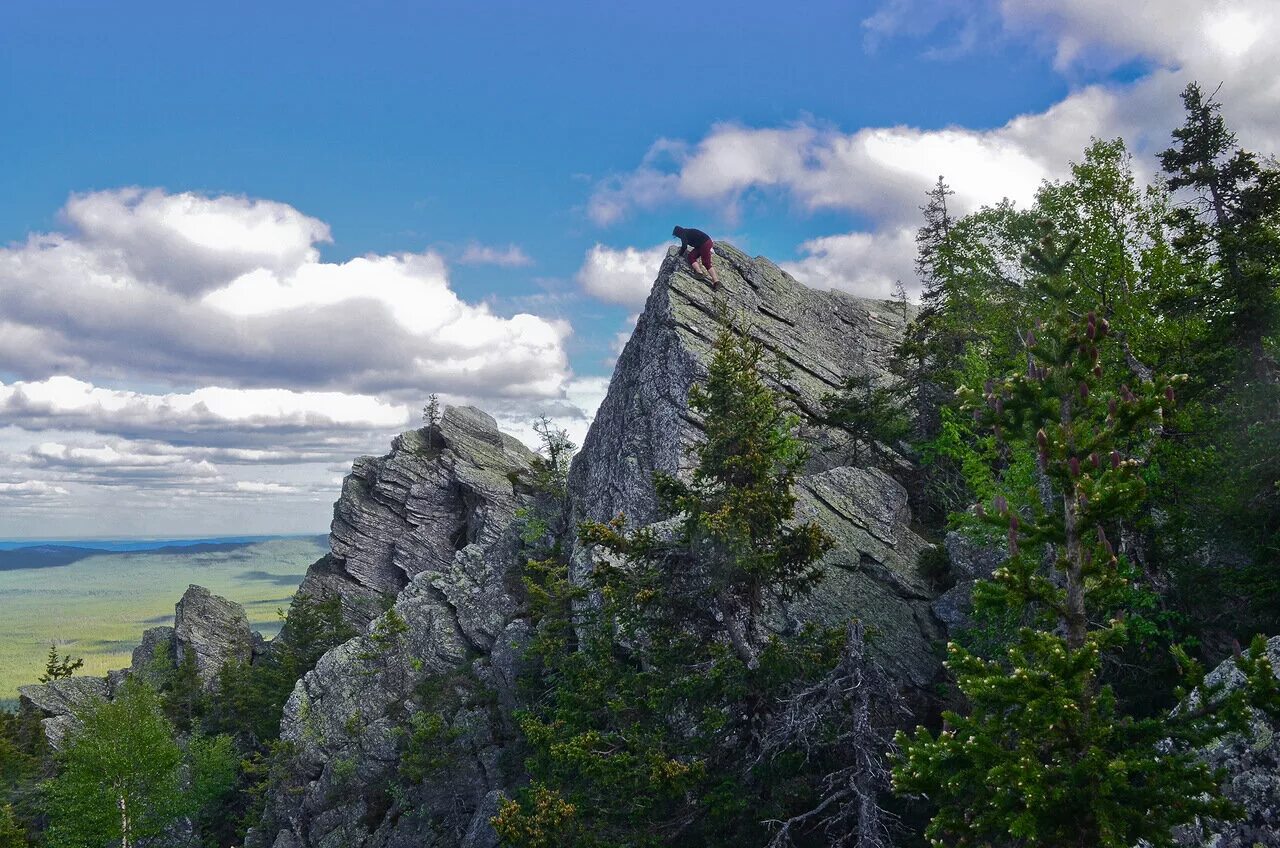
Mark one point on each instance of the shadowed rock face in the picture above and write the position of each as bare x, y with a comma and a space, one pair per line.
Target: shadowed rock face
432, 526
820, 338
429, 526
410, 511
215, 631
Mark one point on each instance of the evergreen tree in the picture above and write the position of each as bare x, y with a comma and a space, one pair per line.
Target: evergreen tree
1230, 234
58, 667
1044, 755
673, 718
1233, 227
870, 414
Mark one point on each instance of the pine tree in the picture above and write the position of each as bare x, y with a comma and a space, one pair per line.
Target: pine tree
1043, 755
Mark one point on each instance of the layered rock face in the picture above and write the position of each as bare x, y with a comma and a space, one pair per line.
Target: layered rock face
431, 527
401, 736
410, 511
820, 338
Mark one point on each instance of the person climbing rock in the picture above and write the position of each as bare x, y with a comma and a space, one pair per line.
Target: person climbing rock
703, 249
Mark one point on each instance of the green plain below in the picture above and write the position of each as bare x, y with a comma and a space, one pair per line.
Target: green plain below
97, 607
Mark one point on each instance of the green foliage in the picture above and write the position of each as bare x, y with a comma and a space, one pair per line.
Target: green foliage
871, 414
659, 721
12, 833
1043, 752
120, 774
213, 770
58, 667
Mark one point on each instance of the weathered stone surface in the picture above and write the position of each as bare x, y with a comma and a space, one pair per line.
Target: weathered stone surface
214, 629
431, 526
60, 702
1252, 764
410, 511
156, 647
970, 562
645, 425
447, 547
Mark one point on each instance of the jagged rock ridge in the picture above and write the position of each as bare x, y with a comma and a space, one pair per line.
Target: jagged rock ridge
432, 527
821, 338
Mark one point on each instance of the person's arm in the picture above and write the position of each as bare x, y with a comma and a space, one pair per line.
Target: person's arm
684, 245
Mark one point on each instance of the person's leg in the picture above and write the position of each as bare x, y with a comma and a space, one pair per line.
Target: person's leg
707, 252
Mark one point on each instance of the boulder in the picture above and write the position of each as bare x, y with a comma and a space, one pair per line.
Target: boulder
970, 562
1251, 762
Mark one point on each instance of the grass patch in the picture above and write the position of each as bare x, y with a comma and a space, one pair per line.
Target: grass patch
97, 607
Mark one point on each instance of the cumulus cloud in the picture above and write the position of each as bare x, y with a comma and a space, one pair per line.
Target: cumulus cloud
882, 173
511, 256
232, 425
136, 289
863, 264
190, 243
620, 275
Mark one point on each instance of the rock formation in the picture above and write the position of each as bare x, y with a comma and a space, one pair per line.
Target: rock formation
430, 527
1251, 762
213, 629
398, 736
819, 338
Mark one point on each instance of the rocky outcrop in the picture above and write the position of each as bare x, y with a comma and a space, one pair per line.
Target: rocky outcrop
401, 736
214, 630
1251, 761
819, 338
60, 702
409, 512
396, 737
969, 563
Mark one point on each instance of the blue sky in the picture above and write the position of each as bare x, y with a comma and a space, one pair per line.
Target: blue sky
489, 160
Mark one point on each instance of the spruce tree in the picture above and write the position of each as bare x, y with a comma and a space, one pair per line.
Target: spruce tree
59, 667
1233, 227
1043, 755
663, 723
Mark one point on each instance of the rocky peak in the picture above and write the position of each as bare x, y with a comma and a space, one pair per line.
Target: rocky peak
412, 510
820, 338
431, 528
214, 630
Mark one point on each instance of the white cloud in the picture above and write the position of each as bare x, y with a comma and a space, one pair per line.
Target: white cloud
863, 264
511, 256
191, 243
234, 313
30, 490
623, 275
882, 173
257, 488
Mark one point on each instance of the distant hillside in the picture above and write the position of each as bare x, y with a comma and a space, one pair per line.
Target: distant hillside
19, 554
